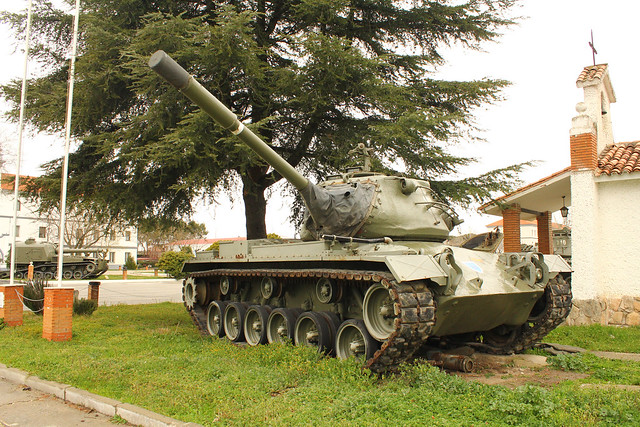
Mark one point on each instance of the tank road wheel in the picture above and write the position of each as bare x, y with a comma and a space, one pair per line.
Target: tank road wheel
19, 275
227, 285
233, 321
48, 275
328, 291
215, 313
90, 268
378, 312
312, 329
548, 313
353, 340
67, 274
189, 292
281, 324
255, 324
270, 287
77, 274
38, 275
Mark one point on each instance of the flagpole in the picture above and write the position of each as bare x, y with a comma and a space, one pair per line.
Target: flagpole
16, 190
67, 138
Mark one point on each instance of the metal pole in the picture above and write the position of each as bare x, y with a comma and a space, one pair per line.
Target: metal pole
16, 191
67, 138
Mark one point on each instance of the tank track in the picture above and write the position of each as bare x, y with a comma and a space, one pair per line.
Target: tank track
558, 305
413, 304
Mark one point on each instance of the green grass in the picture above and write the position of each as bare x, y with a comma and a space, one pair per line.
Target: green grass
152, 356
598, 337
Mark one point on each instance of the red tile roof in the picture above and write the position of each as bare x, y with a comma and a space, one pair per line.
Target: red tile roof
619, 158
7, 182
592, 72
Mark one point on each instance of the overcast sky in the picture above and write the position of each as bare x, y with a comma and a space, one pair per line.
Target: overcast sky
542, 57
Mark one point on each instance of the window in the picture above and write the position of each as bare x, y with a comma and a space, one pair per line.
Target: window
127, 236
42, 232
112, 257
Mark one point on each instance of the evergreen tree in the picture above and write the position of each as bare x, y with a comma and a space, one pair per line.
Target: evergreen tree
312, 77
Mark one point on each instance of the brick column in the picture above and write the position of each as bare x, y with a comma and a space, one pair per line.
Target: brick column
511, 223
545, 240
584, 153
58, 309
11, 304
94, 291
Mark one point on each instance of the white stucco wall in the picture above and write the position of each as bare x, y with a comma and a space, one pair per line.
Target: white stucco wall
584, 240
618, 236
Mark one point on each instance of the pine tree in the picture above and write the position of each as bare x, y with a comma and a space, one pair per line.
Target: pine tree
312, 77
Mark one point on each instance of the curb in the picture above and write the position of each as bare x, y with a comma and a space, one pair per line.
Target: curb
109, 407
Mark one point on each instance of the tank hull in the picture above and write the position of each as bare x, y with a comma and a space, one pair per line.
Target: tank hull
405, 294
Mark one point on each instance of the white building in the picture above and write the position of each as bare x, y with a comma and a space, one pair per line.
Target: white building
602, 190
116, 245
528, 231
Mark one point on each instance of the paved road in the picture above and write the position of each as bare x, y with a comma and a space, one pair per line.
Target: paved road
21, 406
140, 291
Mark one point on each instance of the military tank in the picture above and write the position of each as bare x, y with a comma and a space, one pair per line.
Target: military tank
370, 277
44, 256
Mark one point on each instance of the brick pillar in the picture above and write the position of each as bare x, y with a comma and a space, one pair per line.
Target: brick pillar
584, 151
58, 309
11, 304
94, 291
511, 223
545, 240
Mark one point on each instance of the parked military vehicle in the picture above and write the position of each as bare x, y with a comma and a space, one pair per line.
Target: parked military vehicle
370, 276
77, 263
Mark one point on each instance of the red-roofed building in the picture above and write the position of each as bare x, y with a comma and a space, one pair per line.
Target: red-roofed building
601, 188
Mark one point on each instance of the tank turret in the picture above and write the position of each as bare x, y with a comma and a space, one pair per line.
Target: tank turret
356, 204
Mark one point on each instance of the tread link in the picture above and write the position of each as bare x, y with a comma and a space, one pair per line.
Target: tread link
413, 304
558, 305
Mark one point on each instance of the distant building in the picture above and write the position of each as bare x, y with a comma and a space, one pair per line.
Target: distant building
116, 245
528, 231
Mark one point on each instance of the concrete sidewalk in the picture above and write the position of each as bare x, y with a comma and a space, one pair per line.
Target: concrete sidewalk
26, 400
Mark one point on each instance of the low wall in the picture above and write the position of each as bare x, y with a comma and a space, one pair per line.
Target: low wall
620, 311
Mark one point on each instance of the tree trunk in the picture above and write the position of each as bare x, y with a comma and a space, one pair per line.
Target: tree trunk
255, 209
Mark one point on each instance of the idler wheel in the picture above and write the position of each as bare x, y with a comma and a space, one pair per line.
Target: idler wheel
281, 324
353, 340
90, 267
234, 321
255, 324
215, 314
313, 330
378, 312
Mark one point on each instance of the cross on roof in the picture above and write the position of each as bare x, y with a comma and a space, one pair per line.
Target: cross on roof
593, 49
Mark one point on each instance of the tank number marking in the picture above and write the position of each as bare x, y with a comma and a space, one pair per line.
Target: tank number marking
472, 265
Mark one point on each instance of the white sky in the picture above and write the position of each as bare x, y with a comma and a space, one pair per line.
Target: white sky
542, 57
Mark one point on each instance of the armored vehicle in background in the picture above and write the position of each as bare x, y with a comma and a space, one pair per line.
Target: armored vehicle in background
77, 264
370, 276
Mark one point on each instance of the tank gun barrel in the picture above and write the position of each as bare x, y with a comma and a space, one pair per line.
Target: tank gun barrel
172, 72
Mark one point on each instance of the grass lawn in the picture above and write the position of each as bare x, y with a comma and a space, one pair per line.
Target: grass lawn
152, 356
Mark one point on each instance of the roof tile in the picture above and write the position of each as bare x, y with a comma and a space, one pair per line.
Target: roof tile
592, 72
619, 158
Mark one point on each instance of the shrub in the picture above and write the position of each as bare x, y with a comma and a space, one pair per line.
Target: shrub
130, 263
84, 307
171, 262
33, 293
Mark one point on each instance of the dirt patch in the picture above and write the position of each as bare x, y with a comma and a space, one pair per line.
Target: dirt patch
515, 371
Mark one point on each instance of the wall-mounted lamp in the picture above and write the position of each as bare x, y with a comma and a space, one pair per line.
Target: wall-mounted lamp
564, 211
